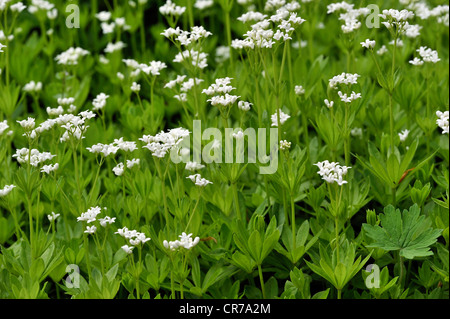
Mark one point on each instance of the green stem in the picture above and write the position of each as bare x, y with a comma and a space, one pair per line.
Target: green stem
236, 202
294, 229
261, 280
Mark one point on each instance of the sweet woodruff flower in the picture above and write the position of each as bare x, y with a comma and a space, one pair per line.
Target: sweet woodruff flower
329, 104
49, 168
127, 249
164, 142
244, 106
133, 236
32, 86
52, 217
368, 44
1, 47
185, 241
106, 221
285, 145
193, 166
442, 121
343, 78
6, 190
90, 216
299, 90
283, 118
171, 9
27, 124
71, 56
198, 180
24, 155
3, 127
332, 172
90, 229
403, 135
100, 101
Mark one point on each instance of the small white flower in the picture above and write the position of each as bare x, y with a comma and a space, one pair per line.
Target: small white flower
369, 44
285, 145
193, 166
244, 106
49, 168
119, 169
283, 118
329, 104
90, 229
299, 90
107, 220
403, 135
198, 180
27, 124
52, 217
127, 249
442, 121
135, 87
6, 190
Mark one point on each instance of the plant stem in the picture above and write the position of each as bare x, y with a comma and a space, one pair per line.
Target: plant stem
261, 280
236, 201
294, 229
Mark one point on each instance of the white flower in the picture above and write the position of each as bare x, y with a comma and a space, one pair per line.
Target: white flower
24, 155
3, 126
244, 106
2, 46
90, 216
416, 61
343, 78
119, 169
33, 87
27, 124
18, 7
100, 101
369, 44
171, 9
107, 220
90, 229
382, 50
442, 121
428, 55
49, 168
103, 16
403, 135
285, 145
133, 162
329, 104
6, 190
332, 172
52, 217
193, 166
71, 56
203, 4
198, 180
127, 249
185, 241
135, 87
283, 118
299, 90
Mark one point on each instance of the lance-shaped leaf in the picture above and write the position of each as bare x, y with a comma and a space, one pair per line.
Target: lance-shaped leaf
409, 232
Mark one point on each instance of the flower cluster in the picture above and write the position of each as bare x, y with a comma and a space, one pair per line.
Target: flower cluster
283, 118
198, 180
266, 31
164, 142
120, 168
71, 56
428, 55
348, 15
220, 93
133, 237
442, 121
6, 190
192, 57
332, 172
185, 241
99, 102
171, 9
33, 156
32, 86
343, 78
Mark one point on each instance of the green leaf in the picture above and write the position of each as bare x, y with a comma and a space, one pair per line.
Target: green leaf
409, 232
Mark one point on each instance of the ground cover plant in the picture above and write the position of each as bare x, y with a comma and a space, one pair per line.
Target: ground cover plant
209, 149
